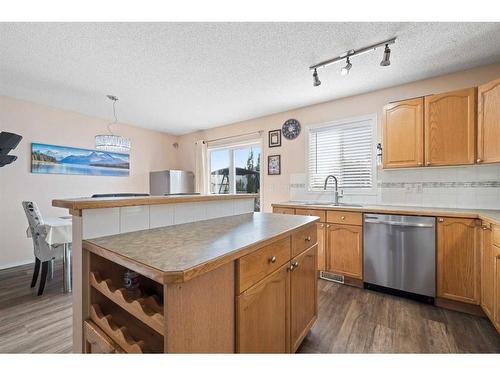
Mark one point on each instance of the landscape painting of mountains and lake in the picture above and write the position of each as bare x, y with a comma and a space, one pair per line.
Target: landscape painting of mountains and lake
70, 160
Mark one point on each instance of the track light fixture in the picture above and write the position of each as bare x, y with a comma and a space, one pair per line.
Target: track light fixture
387, 55
345, 70
353, 52
316, 81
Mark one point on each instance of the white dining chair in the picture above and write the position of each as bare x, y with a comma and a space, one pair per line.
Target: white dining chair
44, 253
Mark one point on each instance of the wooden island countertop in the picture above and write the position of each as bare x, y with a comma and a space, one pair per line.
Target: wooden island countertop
181, 252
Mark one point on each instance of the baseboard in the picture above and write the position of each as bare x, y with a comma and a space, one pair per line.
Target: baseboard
460, 306
17, 264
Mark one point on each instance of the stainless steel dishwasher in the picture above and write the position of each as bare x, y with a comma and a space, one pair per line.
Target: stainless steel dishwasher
400, 255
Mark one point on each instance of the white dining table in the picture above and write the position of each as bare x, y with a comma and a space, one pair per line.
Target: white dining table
59, 232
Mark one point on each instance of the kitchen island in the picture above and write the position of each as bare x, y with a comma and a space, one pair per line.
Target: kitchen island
242, 282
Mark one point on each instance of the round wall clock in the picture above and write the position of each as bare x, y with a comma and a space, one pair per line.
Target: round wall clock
291, 129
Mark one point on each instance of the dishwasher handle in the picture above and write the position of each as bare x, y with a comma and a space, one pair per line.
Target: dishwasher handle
398, 223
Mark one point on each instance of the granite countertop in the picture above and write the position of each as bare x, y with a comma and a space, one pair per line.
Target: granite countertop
76, 204
488, 215
181, 252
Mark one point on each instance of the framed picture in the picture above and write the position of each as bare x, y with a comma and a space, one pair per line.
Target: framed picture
275, 138
71, 160
274, 164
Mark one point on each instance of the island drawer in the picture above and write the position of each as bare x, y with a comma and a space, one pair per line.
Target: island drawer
320, 213
96, 341
255, 266
304, 238
344, 217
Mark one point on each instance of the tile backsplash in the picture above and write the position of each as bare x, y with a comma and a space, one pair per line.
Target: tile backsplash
476, 186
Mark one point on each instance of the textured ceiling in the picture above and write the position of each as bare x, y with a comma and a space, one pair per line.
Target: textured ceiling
182, 77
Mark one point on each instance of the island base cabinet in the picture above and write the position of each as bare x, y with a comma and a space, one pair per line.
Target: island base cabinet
458, 260
275, 315
263, 315
303, 295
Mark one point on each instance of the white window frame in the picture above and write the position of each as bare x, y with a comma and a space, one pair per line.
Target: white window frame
232, 176
348, 191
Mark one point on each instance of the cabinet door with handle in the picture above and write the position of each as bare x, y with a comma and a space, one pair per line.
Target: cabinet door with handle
403, 134
487, 270
262, 315
458, 260
450, 128
496, 313
344, 250
488, 124
303, 295
321, 246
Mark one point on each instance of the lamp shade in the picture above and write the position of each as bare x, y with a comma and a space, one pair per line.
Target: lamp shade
112, 143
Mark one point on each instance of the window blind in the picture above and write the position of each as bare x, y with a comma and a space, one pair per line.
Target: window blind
344, 150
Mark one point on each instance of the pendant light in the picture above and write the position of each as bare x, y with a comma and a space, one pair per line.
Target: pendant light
111, 142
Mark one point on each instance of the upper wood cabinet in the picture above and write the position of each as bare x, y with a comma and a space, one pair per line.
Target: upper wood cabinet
488, 126
344, 250
458, 260
404, 134
487, 270
263, 315
450, 128
303, 295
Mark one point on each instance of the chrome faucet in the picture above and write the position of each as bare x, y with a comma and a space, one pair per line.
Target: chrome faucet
336, 195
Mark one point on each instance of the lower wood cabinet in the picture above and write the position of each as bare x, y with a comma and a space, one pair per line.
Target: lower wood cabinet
284, 210
321, 246
263, 315
275, 314
344, 254
97, 342
303, 296
487, 270
458, 260
496, 312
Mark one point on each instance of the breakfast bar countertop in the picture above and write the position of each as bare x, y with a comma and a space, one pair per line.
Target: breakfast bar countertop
76, 204
181, 252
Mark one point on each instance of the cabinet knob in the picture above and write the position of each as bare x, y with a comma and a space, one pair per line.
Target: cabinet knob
308, 238
328, 225
342, 217
321, 225
295, 264
486, 227
419, 163
428, 163
441, 220
479, 160
290, 269
272, 259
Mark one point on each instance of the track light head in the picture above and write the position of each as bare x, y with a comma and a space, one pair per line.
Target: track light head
387, 55
316, 81
345, 70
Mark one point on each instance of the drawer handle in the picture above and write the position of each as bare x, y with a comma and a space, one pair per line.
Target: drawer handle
272, 259
308, 238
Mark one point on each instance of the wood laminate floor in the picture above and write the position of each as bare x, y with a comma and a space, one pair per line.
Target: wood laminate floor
350, 320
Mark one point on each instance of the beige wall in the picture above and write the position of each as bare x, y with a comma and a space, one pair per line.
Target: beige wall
277, 188
151, 150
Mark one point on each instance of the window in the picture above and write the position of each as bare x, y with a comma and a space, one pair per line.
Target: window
344, 149
235, 169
